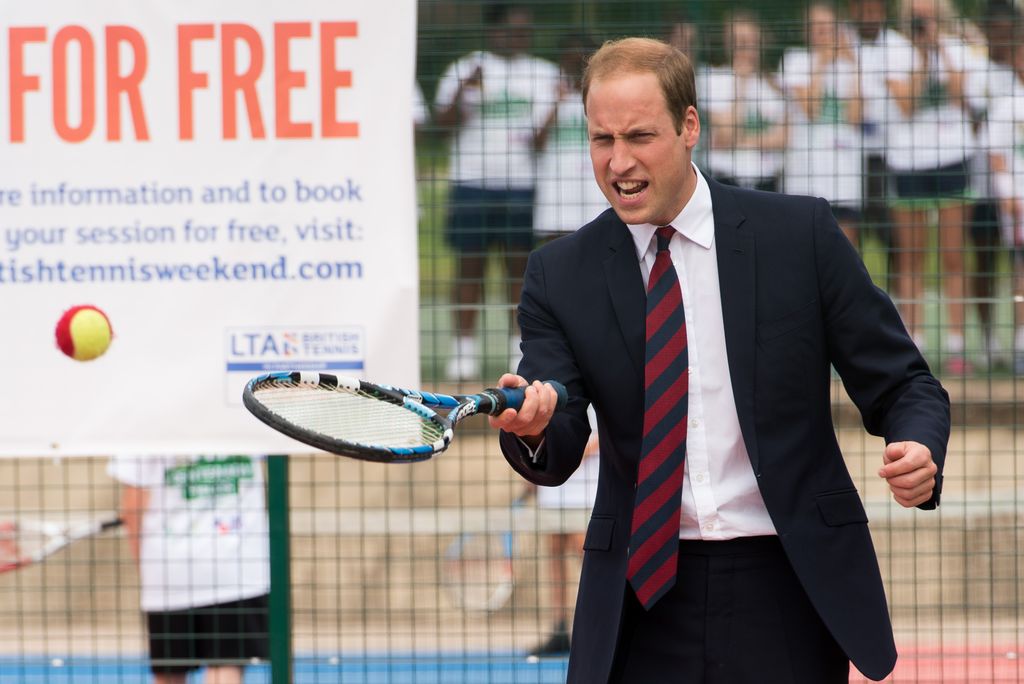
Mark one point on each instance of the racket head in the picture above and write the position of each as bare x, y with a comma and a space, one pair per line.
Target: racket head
24, 541
478, 574
348, 416
19, 542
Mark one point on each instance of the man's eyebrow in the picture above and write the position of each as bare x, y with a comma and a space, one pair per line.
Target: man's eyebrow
629, 133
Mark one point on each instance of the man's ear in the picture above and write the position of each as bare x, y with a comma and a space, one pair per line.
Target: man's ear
691, 127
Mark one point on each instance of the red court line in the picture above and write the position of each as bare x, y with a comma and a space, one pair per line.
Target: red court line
955, 665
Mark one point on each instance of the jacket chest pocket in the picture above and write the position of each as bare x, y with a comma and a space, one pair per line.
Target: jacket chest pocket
769, 333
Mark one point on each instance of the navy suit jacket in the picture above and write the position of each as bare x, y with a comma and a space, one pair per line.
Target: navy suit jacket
795, 299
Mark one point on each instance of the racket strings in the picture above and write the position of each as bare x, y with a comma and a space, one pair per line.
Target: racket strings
478, 572
349, 415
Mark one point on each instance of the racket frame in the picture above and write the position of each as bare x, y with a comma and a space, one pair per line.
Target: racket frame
460, 407
56, 537
500, 593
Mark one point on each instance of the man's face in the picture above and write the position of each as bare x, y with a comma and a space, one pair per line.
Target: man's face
868, 17
821, 28
1000, 40
515, 36
640, 162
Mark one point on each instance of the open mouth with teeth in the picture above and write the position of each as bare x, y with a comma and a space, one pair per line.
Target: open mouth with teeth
630, 188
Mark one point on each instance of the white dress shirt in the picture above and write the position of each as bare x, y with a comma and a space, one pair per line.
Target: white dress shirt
721, 499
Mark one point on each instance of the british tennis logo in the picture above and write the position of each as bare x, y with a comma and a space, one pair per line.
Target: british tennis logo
295, 348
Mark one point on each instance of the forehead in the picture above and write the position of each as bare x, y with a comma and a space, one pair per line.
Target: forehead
625, 100
519, 17
820, 13
867, 6
924, 7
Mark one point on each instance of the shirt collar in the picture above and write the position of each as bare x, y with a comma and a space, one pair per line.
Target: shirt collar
690, 223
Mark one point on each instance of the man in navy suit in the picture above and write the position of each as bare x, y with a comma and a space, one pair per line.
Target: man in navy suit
776, 579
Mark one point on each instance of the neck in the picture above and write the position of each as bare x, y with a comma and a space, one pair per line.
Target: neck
689, 187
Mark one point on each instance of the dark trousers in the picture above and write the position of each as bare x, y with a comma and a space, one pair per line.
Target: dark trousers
736, 615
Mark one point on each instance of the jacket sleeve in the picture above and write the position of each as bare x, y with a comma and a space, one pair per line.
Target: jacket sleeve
881, 367
548, 355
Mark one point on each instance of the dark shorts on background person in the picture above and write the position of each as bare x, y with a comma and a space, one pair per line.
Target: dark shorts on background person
985, 226
947, 182
480, 219
876, 204
183, 640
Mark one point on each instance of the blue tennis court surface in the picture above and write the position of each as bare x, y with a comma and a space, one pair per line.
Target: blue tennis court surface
433, 668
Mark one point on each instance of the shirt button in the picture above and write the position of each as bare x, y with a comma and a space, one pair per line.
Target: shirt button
694, 423
708, 527
700, 477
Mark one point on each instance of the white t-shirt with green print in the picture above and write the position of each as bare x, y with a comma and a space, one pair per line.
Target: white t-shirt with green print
204, 536
493, 147
824, 157
568, 195
758, 107
1005, 137
938, 133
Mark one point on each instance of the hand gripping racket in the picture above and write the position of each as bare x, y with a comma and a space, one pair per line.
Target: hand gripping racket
363, 420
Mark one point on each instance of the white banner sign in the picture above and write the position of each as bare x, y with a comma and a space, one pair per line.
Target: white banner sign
231, 183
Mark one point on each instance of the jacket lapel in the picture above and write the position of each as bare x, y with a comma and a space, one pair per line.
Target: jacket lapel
736, 276
626, 288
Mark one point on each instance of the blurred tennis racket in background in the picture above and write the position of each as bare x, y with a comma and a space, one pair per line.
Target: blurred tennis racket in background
359, 419
25, 541
478, 572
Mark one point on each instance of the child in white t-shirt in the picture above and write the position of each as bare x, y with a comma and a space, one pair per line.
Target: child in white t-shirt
824, 157
492, 101
747, 113
198, 527
1005, 143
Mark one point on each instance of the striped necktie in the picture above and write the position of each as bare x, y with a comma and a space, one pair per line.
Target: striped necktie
654, 539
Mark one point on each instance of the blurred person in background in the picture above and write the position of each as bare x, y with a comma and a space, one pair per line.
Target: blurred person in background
991, 55
1005, 141
875, 38
821, 82
492, 101
198, 528
747, 112
683, 35
567, 195
930, 145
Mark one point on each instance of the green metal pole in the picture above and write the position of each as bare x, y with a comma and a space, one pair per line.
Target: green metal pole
280, 571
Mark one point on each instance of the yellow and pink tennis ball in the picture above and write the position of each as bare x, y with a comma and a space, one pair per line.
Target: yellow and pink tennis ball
84, 332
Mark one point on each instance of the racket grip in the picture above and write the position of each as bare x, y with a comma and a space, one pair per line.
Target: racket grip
514, 396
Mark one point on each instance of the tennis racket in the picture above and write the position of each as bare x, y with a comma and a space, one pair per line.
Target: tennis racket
363, 420
478, 573
24, 541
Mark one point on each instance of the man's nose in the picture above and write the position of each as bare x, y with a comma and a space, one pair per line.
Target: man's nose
622, 160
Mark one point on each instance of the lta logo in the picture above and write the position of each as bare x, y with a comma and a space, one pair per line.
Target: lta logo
264, 344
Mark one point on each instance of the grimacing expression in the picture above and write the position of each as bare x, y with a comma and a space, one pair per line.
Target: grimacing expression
641, 162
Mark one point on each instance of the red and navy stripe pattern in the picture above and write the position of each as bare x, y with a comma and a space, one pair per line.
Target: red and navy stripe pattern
654, 539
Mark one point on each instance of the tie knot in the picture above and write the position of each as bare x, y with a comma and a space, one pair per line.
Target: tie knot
664, 234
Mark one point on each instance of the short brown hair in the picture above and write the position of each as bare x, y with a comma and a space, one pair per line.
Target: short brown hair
647, 55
